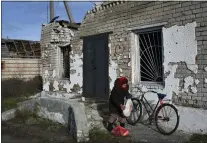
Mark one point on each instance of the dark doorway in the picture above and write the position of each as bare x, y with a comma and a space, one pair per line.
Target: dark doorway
95, 66
66, 61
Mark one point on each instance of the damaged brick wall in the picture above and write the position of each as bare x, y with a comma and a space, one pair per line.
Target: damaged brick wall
120, 17
54, 37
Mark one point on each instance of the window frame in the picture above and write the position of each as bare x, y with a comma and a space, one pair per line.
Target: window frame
136, 70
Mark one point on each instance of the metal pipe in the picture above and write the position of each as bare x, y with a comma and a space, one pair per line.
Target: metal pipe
67, 8
52, 11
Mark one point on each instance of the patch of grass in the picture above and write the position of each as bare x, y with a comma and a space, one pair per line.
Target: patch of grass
17, 87
99, 135
198, 138
16, 90
31, 118
11, 102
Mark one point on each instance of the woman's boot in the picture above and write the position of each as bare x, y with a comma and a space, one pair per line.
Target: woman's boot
122, 125
110, 127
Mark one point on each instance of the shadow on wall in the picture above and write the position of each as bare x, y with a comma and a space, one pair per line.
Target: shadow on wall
103, 110
71, 123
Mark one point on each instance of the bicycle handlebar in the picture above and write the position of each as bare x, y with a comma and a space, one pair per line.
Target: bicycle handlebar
152, 91
148, 91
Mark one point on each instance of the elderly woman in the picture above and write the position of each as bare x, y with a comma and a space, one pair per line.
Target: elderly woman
116, 102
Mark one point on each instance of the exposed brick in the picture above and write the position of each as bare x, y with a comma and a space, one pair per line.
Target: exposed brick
203, 33
195, 11
204, 98
186, 4
179, 9
204, 90
204, 5
190, 102
204, 23
144, 13
204, 9
186, 97
198, 5
196, 98
200, 94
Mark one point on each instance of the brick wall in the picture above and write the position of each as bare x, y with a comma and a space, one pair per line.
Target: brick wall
54, 36
20, 68
120, 16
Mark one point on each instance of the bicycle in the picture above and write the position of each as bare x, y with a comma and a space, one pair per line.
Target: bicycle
137, 108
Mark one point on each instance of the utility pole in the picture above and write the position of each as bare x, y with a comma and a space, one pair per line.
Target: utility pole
67, 8
52, 11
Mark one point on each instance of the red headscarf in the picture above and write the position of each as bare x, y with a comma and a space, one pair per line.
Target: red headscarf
123, 80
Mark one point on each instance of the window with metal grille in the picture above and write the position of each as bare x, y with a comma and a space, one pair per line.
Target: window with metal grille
151, 56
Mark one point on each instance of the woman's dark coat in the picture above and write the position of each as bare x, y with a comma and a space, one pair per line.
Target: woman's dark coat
117, 98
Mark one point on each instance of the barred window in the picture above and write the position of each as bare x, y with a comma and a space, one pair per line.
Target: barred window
151, 56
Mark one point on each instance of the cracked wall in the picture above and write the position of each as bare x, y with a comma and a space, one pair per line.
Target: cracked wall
184, 40
54, 37
180, 45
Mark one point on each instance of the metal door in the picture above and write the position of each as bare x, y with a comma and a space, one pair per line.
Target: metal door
95, 66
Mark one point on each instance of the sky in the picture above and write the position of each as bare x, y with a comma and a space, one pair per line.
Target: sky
23, 20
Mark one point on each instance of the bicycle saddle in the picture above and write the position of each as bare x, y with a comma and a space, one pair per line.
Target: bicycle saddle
161, 96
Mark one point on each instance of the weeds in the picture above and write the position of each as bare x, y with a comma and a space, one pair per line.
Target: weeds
17, 87
16, 90
31, 118
97, 134
198, 138
11, 102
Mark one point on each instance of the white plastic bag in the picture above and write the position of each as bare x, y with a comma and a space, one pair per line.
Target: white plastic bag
128, 108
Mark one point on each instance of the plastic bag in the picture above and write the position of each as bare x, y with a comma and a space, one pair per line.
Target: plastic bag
120, 131
128, 108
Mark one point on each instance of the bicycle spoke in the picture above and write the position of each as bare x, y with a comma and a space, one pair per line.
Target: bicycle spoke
169, 112
173, 118
167, 119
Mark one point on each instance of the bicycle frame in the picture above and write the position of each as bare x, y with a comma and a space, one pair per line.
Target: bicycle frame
153, 110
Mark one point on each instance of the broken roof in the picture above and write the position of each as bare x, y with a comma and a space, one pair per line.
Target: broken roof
17, 48
69, 24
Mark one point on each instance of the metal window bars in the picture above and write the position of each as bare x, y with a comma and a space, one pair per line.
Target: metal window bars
151, 56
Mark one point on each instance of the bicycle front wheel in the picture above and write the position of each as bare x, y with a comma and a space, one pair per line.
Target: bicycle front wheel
167, 119
136, 112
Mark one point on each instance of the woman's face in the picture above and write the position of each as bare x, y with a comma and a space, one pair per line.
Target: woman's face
124, 86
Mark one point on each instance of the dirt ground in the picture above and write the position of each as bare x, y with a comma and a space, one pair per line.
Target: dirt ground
23, 133
15, 131
27, 127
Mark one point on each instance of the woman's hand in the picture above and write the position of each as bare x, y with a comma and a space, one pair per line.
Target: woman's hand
122, 107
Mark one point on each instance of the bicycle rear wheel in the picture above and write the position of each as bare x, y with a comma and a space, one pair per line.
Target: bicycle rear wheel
167, 119
136, 112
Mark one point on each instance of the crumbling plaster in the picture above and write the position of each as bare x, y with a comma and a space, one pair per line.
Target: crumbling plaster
205, 80
190, 82
205, 69
180, 45
54, 36
112, 72
77, 66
